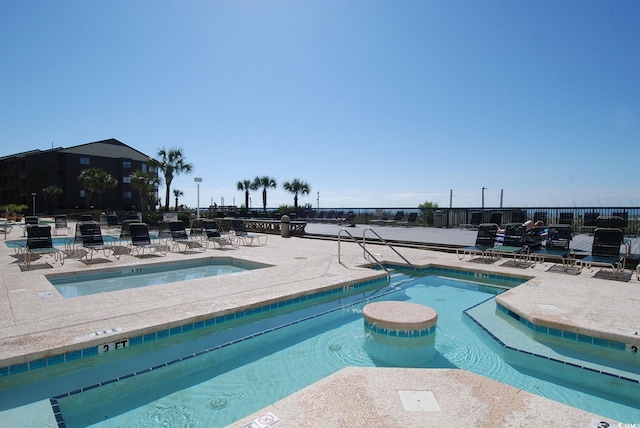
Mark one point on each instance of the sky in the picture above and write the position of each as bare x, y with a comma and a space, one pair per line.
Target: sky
373, 103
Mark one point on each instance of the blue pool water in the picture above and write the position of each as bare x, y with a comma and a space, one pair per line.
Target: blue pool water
234, 378
82, 284
21, 243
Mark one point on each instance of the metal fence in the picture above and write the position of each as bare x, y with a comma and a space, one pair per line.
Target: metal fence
581, 219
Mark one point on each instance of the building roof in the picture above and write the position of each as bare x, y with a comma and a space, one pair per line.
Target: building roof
110, 148
28, 153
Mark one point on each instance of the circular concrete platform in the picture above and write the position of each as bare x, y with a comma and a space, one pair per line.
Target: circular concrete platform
400, 316
402, 334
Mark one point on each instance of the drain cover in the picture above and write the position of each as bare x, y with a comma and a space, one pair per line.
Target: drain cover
419, 401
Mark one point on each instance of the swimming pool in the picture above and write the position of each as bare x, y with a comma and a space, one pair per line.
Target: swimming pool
221, 375
106, 280
57, 241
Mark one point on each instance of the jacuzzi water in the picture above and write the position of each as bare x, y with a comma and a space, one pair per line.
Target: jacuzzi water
235, 378
103, 281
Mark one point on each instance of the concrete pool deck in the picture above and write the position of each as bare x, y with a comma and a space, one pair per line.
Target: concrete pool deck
36, 321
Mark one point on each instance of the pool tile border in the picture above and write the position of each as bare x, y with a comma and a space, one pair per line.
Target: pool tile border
564, 334
522, 351
373, 328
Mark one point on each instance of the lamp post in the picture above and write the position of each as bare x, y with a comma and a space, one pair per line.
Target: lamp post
198, 180
33, 196
483, 189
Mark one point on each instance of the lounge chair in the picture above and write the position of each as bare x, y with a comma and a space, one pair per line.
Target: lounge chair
60, 222
90, 235
514, 244
395, 220
566, 218
86, 218
349, 219
28, 222
557, 246
125, 229
496, 217
239, 231
540, 216
518, 216
605, 251
180, 237
112, 220
615, 221
485, 242
197, 228
140, 240
589, 221
476, 220
39, 243
411, 220
31, 220
384, 217
214, 235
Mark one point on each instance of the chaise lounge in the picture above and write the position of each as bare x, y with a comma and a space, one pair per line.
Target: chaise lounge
39, 243
605, 251
485, 242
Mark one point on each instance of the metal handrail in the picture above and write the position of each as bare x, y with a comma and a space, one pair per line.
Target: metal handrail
364, 242
363, 248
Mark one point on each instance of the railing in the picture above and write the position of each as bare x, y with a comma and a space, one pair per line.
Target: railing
458, 217
366, 252
364, 245
363, 248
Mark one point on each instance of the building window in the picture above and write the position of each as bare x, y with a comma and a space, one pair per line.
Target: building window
126, 179
82, 194
126, 195
144, 167
126, 164
84, 161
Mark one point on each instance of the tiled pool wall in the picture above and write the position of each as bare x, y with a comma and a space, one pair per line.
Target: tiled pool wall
399, 333
564, 334
186, 328
70, 277
611, 344
487, 278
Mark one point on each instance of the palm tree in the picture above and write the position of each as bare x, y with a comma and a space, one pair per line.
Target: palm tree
245, 185
172, 162
296, 186
146, 184
95, 182
177, 193
264, 182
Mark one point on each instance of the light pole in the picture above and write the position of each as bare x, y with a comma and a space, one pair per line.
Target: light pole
33, 196
483, 189
198, 180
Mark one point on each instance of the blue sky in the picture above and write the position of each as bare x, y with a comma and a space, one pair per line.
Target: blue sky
373, 103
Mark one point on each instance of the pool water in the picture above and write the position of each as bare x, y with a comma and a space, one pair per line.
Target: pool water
82, 284
223, 386
235, 377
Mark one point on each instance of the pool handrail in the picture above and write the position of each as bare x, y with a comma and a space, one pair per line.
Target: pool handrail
363, 248
364, 242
